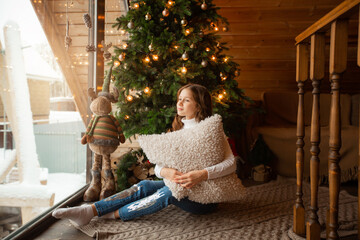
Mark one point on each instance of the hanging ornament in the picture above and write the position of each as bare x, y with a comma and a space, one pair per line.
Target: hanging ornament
192, 45
129, 98
151, 47
87, 20
225, 29
155, 57
90, 48
130, 25
125, 65
204, 6
165, 12
185, 56
147, 17
68, 39
183, 70
147, 90
201, 34
204, 63
183, 22
122, 56
106, 54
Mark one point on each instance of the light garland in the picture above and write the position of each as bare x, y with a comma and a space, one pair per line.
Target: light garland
126, 117
116, 63
129, 98
183, 70
147, 90
155, 57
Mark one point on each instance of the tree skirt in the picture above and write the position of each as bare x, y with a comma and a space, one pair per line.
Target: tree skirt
265, 213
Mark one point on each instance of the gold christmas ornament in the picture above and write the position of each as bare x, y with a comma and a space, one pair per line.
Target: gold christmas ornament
130, 25
122, 57
204, 63
147, 17
151, 47
184, 22
204, 6
129, 98
185, 56
165, 12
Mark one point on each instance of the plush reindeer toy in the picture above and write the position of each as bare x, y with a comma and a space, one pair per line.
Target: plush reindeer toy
103, 134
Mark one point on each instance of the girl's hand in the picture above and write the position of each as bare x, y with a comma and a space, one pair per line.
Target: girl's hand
170, 173
190, 179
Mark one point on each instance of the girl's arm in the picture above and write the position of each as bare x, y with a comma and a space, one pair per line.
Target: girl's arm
168, 173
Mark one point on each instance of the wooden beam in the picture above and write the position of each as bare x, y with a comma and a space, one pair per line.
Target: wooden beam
326, 20
358, 55
57, 45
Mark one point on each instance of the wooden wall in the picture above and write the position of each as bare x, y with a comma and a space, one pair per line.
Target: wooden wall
261, 38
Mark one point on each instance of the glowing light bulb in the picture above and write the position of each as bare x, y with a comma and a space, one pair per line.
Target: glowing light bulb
224, 92
155, 57
116, 63
213, 57
207, 49
125, 46
187, 32
220, 96
223, 78
129, 98
170, 3
226, 59
127, 117
183, 70
216, 28
147, 59
147, 90
136, 6
176, 47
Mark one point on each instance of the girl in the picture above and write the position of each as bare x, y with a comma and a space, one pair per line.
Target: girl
147, 197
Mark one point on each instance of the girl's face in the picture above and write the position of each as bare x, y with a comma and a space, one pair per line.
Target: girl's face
186, 105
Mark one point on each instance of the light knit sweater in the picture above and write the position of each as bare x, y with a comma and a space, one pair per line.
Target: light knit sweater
224, 168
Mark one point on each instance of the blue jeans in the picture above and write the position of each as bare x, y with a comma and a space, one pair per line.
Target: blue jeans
145, 198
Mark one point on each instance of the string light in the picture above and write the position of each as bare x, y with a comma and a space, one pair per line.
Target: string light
170, 3
129, 98
207, 49
213, 57
136, 6
187, 32
125, 46
116, 63
216, 28
176, 47
127, 117
183, 70
220, 96
147, 90
147, 59
226, 59
155, 57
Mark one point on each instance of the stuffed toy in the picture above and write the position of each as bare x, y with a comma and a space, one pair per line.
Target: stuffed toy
103, 134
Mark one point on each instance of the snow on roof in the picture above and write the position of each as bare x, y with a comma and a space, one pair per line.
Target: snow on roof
37, 68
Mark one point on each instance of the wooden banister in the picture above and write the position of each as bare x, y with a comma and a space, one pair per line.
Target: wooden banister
324, 23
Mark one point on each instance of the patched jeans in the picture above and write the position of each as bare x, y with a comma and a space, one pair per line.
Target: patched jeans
145, 198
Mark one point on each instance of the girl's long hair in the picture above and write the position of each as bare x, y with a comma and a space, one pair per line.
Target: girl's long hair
202, 99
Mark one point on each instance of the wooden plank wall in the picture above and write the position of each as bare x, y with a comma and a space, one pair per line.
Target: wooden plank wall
261, 38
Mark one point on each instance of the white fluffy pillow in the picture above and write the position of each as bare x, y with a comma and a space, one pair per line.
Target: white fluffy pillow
194, 149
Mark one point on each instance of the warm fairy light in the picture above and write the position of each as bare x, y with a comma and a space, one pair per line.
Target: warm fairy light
122, 32
213, 57
136, 5
155, 57
116, 63
226, 59
127, 117
147, 90
183, 70
124, 46
129, 98
216, 28
176, 47
147, 59
170, 3
223, 78
220, 96
207, 49
187, 32
224, 92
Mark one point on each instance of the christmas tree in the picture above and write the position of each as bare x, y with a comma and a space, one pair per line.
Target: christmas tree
170, 44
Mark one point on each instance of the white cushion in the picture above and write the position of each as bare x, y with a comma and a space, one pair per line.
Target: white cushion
194, 149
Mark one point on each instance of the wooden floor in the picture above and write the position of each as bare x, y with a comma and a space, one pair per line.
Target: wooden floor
63, 230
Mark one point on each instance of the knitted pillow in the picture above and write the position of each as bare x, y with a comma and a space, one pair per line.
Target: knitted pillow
194, 149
